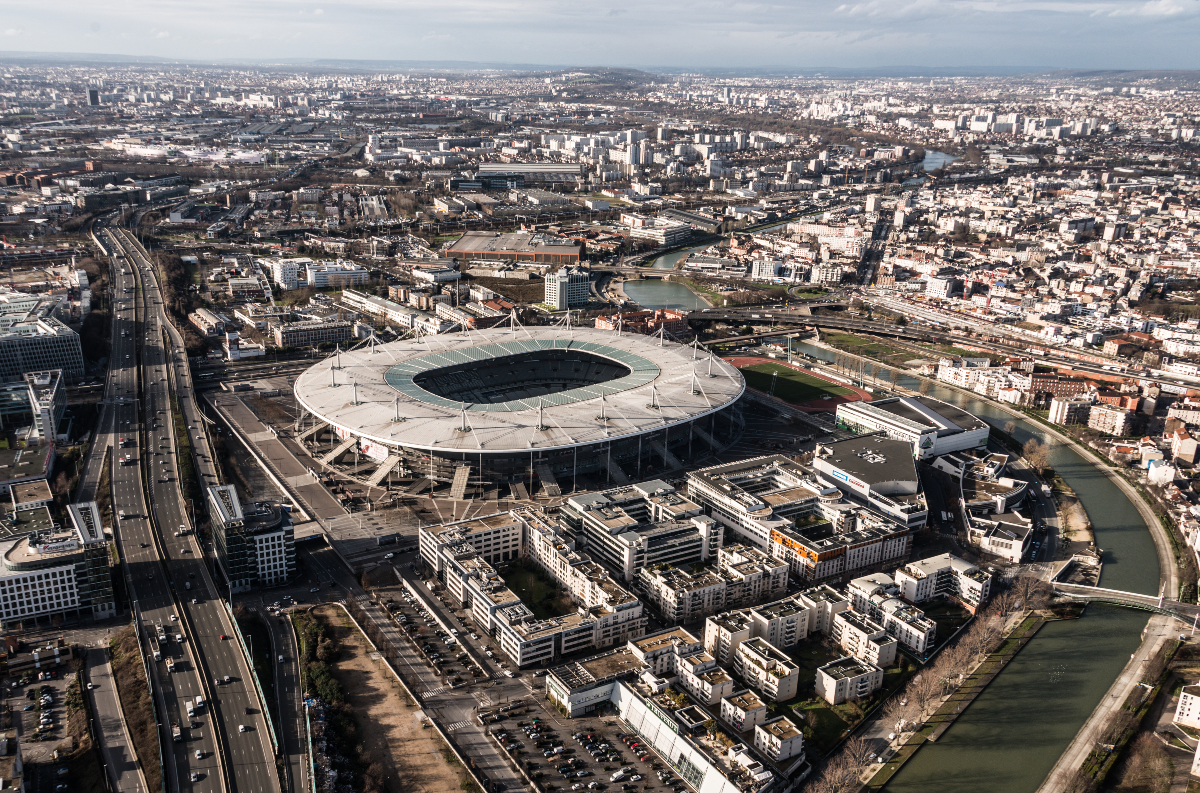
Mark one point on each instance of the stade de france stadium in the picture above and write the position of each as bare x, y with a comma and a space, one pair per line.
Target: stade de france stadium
511, 405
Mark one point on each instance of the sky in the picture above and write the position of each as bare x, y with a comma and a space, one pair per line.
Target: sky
1034, 34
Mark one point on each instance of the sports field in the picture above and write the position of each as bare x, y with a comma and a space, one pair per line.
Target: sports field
792, 385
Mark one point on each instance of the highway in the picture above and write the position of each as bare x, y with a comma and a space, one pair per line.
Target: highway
148, 583
233, 708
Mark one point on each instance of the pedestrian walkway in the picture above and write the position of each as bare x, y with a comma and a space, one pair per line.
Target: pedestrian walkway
458, 725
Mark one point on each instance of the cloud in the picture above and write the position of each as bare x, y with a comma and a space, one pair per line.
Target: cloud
13, 31
162, 34
317, 12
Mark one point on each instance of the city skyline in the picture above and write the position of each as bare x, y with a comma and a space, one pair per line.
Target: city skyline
1121, 34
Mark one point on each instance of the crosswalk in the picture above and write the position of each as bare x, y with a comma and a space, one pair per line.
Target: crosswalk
458, 725
433, 692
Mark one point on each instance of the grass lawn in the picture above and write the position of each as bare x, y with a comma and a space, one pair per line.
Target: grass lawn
948, 616
792, 386
823, 726
808, 294
870, 348
537, 590
950, 349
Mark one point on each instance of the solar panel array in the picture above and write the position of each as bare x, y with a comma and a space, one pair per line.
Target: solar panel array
401, 377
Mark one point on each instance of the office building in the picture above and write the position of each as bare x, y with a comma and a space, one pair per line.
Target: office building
58, 571
336, 275
567, 288
642, 525
207, 322
38, 344
878, 473
312, 333
47, 403
286, 272
255, 546
931, 427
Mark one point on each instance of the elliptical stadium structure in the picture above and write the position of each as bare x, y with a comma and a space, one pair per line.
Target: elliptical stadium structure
518, 403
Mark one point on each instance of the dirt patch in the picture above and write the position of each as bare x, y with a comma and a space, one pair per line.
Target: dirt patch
134, 693
389, 723
1078, 524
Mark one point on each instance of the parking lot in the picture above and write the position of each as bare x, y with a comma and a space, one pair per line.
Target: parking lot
44, 713
441, 649
589, 758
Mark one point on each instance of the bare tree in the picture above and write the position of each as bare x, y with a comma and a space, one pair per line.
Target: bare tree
922, 690
1077, 781
925, 387
893, 376
897, 711
1010, 427
1036, 455
875, 373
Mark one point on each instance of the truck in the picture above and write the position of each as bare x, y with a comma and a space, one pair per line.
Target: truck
161, 632
1046, 491
176, 733
155, 649
170, 664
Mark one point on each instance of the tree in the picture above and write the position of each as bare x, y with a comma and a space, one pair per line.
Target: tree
925, 387
893, 376
1010, 427
1036, 455
875, 372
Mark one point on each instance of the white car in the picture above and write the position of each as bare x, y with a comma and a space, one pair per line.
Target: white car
507, 673
241, 728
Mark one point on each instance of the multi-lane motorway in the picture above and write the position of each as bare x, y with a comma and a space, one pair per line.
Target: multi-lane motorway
167, 567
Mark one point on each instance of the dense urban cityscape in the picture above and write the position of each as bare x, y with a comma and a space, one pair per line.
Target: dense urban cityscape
382, 427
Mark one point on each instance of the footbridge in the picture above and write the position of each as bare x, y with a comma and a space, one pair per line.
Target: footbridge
1159, 604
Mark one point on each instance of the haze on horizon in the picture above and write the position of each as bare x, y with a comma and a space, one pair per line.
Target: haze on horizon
1093, 34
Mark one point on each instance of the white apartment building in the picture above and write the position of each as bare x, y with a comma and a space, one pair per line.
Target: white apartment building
1111, 420
1187, 712
463, 554
767, 670
744, 710
1072, 410
860, 636
947, 576
779, 739
847, 678
642, 525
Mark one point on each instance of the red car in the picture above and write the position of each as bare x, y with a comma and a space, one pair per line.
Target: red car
222, 637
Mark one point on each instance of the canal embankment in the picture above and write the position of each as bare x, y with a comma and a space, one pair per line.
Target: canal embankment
1028, 721
954, 705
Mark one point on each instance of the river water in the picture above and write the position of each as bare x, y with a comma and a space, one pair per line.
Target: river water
1011, 736
937, 159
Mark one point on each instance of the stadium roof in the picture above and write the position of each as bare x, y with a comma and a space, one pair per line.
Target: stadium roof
375, 394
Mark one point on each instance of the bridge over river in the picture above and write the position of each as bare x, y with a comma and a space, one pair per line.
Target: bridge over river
1158, 604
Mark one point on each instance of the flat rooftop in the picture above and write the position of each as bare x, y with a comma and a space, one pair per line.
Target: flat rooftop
873, 458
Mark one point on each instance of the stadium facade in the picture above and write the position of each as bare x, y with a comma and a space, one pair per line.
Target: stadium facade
517, 404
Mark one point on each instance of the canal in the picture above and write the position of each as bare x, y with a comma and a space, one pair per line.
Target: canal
1012, 735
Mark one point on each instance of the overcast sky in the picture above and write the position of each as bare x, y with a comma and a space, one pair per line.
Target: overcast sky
681, 33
